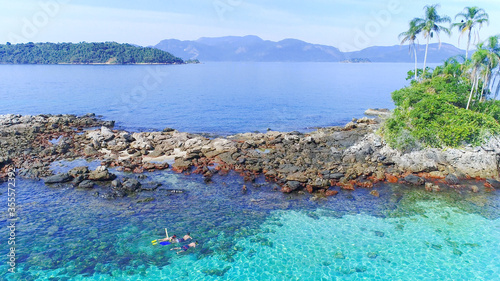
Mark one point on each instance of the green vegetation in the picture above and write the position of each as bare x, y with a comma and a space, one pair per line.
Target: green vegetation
454, 104
82, 53
432, 113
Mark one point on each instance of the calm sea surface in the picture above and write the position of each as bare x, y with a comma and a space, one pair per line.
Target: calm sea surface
219, 98
63, 233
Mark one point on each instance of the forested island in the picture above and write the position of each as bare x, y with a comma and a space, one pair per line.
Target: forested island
83, 53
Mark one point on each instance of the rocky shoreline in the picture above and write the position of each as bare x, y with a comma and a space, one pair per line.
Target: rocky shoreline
349, 157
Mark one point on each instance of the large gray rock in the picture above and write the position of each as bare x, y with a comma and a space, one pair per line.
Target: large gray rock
101, 174
332, 176
414, 180
226, 157
300, 177
420, 161
181, 165
451, 179
293, 185
59, 178
106, 133
86, 184
474, 162
79, 171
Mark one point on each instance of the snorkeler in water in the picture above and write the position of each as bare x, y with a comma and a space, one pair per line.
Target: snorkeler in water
185, 247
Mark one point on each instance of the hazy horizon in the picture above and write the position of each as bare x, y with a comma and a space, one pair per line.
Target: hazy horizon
349, 26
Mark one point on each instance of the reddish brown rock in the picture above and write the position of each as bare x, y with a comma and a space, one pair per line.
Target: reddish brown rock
347, 186
363, 183
390, 178
138, 170
331, 192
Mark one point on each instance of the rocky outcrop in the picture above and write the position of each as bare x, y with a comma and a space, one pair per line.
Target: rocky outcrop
349, 157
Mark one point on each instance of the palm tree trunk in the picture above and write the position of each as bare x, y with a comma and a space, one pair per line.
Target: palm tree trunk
472, 89
425, 59
485, 83
416, 67
482, 89
468, 45
477, 85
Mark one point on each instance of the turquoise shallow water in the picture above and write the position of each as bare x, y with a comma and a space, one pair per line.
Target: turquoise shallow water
405, 234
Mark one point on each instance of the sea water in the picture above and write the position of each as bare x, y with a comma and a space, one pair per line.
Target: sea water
221, 98
407, 233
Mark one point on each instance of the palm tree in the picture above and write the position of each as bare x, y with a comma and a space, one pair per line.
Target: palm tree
451, 67
493, 47
478, 59
430, 26
472, 17
484, 61
410, 36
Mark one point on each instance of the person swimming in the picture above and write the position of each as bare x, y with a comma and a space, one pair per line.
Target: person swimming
185, 247
172, 239
185, 238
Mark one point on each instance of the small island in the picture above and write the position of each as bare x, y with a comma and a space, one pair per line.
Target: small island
356, 60
83, 53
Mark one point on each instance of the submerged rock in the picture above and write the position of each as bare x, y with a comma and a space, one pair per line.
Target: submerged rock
131, 185
116, 183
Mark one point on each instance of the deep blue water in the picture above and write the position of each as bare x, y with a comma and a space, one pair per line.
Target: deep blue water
218, 98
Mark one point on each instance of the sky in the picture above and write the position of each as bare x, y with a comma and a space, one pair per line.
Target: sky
349, 25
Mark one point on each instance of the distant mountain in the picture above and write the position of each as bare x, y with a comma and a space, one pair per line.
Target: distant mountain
253, 48
249, 48
400, 53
